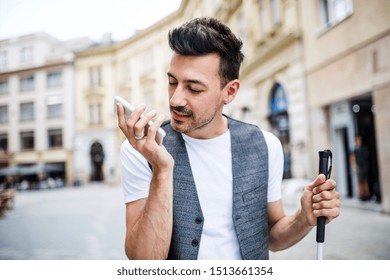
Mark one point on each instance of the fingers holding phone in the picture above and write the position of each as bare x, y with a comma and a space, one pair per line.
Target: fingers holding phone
126, 122
137, 122
142, 125
135, 126
144, 135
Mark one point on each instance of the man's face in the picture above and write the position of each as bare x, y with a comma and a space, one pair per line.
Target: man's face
195, 97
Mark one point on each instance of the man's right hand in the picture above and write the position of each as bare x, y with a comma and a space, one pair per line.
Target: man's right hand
149, 220
142, 136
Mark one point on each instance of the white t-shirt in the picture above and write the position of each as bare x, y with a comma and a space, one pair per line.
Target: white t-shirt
211, 165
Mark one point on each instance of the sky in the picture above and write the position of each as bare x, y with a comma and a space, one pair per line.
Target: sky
67, 19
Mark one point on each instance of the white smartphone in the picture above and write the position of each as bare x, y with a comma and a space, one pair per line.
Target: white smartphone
129, 109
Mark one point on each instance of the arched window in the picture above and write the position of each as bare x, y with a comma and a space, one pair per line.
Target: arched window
280, 124
97, 159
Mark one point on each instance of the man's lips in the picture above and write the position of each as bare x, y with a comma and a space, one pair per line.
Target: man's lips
179, 116
180, 113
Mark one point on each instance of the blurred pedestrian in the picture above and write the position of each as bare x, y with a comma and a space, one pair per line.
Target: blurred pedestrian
360, 163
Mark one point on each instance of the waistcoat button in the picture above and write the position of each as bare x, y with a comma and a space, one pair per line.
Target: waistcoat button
195, 242
198, 220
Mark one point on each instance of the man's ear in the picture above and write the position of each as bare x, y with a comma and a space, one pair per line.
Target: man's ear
231, 90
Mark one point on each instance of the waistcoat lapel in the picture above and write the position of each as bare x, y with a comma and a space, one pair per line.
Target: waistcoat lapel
250, 185
187, 213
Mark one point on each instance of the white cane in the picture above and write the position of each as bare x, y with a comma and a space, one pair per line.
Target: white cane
324, 168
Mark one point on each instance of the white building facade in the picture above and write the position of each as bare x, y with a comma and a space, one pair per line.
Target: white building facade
37, 107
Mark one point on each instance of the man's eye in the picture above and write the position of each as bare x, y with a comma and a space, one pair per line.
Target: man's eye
195, 90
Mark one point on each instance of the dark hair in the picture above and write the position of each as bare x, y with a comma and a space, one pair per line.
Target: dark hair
208, 35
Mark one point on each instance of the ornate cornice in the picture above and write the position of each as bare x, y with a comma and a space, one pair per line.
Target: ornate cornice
227, 8
34, 68
270, 49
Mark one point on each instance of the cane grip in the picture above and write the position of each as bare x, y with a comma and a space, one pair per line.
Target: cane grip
323, 169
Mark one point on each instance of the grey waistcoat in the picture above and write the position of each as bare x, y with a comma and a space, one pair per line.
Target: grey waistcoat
250, 183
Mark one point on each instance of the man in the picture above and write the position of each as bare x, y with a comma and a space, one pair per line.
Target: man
212, 190
360, 162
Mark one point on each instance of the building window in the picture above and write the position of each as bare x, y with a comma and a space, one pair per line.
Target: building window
280, 125
90, 107
99, 113
3, 59
54, 138
334, 11
26, 55
27, 111
148, 96
95, 78
26, 83
54, 105
4, 87
148, 62
242, 26
126, 70
27, 140
4, 114
275, 7
3, 142
95, 114
264, 17
54, 79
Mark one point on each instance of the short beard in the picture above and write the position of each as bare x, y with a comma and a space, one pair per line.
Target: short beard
193, 125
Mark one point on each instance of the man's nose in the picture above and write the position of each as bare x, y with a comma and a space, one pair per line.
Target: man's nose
178, 97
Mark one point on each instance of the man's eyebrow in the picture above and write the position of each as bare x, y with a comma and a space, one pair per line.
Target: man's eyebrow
190, 81
170, 75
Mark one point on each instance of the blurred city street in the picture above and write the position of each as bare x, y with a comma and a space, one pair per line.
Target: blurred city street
83, 223
359, 233
88, 223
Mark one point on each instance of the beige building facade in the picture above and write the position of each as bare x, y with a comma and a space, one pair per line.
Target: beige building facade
95, 146
36, 108
315, 73
347, 66
134, 69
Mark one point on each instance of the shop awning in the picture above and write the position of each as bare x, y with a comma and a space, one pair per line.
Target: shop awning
31, 169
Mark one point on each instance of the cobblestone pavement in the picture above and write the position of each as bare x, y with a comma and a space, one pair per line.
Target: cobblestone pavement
361, 232
68, 223
89, 223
